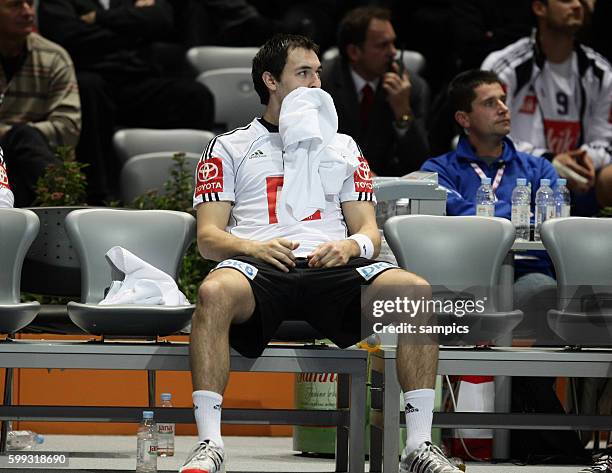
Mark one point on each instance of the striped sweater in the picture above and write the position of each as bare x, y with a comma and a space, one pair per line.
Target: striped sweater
43, 93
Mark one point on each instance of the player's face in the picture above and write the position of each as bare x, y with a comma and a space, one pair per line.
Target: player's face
303, 69
489, 116
16, 19
561, 15
373, 58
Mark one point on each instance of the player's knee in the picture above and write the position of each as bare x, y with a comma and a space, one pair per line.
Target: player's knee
216, 295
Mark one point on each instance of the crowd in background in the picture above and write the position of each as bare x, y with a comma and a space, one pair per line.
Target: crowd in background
130, 67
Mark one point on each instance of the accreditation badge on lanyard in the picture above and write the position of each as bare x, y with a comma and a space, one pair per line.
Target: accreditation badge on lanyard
496, 181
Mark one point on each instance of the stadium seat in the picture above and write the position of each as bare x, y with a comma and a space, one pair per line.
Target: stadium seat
207, 58
159, 237
150, 171
18, 228
236, 102
132, 141
581, 250
458, 256
413, 60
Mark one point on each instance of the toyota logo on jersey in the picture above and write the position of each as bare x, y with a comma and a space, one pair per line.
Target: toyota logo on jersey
4, 182
209, 176
362, 176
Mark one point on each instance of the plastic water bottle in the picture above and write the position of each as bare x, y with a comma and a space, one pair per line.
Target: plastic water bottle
545, 206
23, 440
165, 431
562, 199
146, 452
521, 203
485, 200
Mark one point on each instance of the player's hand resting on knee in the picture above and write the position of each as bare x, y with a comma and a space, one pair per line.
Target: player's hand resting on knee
333, 253
277, 252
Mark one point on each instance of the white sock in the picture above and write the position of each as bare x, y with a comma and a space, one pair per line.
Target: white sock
207, 412
419, 405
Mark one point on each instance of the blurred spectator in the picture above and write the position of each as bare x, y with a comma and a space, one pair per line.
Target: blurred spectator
39, 99
425, 26
483, 26
252, 22
110, 43
378, 103
7, 199
560, 95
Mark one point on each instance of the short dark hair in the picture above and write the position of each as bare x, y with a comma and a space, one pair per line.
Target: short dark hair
461, 91
354, 26
272, 57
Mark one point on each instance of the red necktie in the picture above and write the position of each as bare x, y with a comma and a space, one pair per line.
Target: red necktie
367, 100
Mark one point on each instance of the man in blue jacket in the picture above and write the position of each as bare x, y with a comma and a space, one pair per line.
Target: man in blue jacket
479, 104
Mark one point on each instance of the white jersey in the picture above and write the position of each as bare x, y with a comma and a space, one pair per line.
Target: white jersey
557, 108
245, 167
6, 195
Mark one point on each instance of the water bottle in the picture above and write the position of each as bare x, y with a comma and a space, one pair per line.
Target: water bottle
165, 431
545, 206
521, 204
23, 440
562, 199
146, 451
485, 200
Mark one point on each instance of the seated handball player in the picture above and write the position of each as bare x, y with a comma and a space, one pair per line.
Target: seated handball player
295, 238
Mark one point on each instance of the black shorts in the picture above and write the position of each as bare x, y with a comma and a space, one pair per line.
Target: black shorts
327, 298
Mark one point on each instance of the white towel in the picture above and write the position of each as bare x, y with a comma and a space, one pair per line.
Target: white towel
143, 283
308, 123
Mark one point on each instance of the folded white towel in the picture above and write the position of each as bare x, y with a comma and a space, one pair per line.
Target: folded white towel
308, 123
143, 283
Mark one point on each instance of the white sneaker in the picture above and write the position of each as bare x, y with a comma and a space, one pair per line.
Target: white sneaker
205, 457
601, 464
428, 458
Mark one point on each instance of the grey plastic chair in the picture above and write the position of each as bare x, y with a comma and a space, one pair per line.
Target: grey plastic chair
458, 255
18, 228
133, 141
145, 172
160, 237
413, 60
581, 250
236, 102
207, 58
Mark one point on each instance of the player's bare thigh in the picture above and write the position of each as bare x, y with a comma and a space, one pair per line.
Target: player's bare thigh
230, 290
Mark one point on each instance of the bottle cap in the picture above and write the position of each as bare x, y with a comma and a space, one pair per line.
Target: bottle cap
147, 414
485, 180
561, 182
166, 396
521, 181
39, 439
545, 182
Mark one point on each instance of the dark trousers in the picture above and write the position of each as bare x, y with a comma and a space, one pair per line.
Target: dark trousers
152, 102
27, 154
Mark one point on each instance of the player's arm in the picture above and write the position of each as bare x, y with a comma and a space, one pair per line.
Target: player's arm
217, 244
360, 219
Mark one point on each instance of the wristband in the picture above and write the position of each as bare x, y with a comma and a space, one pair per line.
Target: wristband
366, 247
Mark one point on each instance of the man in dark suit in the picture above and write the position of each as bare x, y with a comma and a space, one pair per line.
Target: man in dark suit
378, 103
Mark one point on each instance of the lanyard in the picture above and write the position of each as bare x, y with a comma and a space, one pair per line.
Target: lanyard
496, 181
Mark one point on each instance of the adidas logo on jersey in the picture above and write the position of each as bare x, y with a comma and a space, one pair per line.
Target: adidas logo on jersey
410, 408
257, 154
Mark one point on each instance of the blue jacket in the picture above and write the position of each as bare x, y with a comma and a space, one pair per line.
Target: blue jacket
455, 172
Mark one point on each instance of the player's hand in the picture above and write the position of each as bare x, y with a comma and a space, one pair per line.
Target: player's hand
144, 3
277, 252
89, 18
333, 253
398, 90
581, 163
